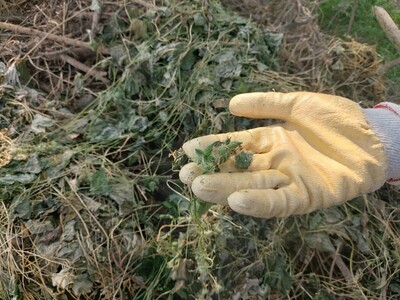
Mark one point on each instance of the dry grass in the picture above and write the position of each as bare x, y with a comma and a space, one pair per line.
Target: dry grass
5, 148
326, 63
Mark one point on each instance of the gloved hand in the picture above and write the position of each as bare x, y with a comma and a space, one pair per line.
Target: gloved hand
325, 153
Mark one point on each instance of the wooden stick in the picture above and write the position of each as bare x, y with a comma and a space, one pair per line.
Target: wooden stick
388, 26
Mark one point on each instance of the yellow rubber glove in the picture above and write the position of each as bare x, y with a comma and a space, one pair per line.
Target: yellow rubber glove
324, 154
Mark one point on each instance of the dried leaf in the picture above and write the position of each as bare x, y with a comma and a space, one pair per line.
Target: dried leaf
38, 227
12, 76
31, 166
82, 285
357, 236
123, 194
62, 279
228, 65
68, 250
50, 237
103, 131
333, 215
9, 179
45, 207
40, 123
69, 231
319, 241
95, 6
91, 204
59, 163
20, 208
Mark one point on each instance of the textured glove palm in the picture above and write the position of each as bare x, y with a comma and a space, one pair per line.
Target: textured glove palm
324, 154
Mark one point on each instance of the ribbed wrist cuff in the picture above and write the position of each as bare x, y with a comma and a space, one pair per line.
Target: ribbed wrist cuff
384, 119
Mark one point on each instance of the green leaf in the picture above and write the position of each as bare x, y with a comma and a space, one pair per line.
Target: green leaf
224, 150
99, 184
276, 275
205, 160
188, 61
176, 205
151, 183
102, 131
200, 207
243, 160
133, 123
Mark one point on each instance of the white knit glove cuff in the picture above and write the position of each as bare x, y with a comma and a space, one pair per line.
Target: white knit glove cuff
384, 119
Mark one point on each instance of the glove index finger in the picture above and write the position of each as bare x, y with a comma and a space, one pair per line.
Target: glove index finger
218, 187
270, 105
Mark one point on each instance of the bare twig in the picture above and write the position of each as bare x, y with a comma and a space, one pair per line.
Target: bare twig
338, 261
50, 36
353, 15
95, 21
99, 75
391, 64
388, 26
344, 269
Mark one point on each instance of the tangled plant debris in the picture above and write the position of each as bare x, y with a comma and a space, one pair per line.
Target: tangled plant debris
219, 152
216, 154
90, 206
